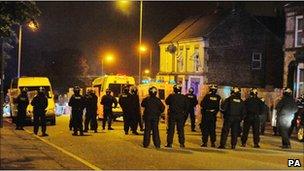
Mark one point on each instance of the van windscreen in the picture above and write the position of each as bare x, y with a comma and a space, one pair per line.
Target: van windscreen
33, 90
117, 88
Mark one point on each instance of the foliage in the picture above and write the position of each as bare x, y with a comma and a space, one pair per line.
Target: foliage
16, 12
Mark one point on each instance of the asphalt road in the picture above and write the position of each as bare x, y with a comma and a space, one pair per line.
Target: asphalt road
115, 150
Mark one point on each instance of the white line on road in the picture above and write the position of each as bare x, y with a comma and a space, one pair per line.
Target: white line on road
92, 166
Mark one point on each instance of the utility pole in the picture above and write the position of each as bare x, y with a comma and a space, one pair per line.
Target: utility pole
1, 80
140, 37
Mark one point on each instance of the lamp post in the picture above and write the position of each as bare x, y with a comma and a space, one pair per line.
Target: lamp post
33, 25
140, 36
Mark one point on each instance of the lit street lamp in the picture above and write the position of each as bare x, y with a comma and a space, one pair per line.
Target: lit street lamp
143, 49
33, 25
109, 58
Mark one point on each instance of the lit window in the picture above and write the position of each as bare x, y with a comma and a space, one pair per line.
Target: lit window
299, 31
256, 60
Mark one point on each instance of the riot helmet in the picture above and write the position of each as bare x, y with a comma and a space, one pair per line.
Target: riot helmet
253, 92
76, 90
153, 91
41, 90
177, 89
236, 91
24, 91
108, 92
191, 90
287, 91
213, 88
126, 89
133, 90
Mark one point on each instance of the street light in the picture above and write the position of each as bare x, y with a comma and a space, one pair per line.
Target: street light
143, 49
33, 25
122, 6
147, 71
108, 58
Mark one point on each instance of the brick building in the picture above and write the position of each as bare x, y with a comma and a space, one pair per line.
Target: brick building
229, 48
294, 47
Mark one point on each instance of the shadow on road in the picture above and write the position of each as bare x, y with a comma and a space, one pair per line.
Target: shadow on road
208, 150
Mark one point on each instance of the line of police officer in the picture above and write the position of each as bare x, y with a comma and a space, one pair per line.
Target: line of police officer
39, 103
233, 108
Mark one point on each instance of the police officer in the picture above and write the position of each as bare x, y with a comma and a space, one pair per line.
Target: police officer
134, 106
77, 103
233, 109
107, 101
40, 103
178, 106
22, 102
286, 108
153, 109
91, 111
254, 108
123, 102
263, 117
191, 110
210, 105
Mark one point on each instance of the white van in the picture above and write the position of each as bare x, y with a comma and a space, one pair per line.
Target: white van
116, 84
32, 84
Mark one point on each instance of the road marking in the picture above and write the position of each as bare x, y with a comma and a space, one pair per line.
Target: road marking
92, 166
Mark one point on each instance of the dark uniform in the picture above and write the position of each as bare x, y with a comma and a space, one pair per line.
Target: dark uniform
210, 106
191, 110
91, 112
40, 103
178, 106
123, 102
107, 101
22, 102
77, 103
263, 118
233, 110
254, 108
134, 109
153, 109
286, 108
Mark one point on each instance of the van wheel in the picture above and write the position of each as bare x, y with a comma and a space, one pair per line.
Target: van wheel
53, 121
301, 134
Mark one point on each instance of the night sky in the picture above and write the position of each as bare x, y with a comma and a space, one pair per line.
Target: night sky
98, 27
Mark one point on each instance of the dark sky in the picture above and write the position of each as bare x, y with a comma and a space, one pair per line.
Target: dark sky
98, 27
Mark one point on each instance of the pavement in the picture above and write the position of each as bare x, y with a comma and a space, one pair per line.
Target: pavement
22, 150
114, 150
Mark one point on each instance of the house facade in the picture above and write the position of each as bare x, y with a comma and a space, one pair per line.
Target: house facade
228, 48
294, 48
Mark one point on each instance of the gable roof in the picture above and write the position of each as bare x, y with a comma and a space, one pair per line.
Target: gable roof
202, 26
192, 27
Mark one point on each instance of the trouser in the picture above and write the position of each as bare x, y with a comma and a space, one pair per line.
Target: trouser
263, 124
208, 126
234, 125
77, 120
151, 125
179, 122
192, 118
284, 132
71, 122
253, 122
140, 122
126, 122
39, 119
107, 117
293, 124
90, 117
20, 119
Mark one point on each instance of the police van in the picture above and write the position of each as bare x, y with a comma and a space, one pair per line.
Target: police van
115, 83
32, 84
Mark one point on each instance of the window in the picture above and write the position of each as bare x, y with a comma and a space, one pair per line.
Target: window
256, 61
299, 31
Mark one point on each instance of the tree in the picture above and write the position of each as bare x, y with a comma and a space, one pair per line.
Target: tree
66, 68
12, 13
